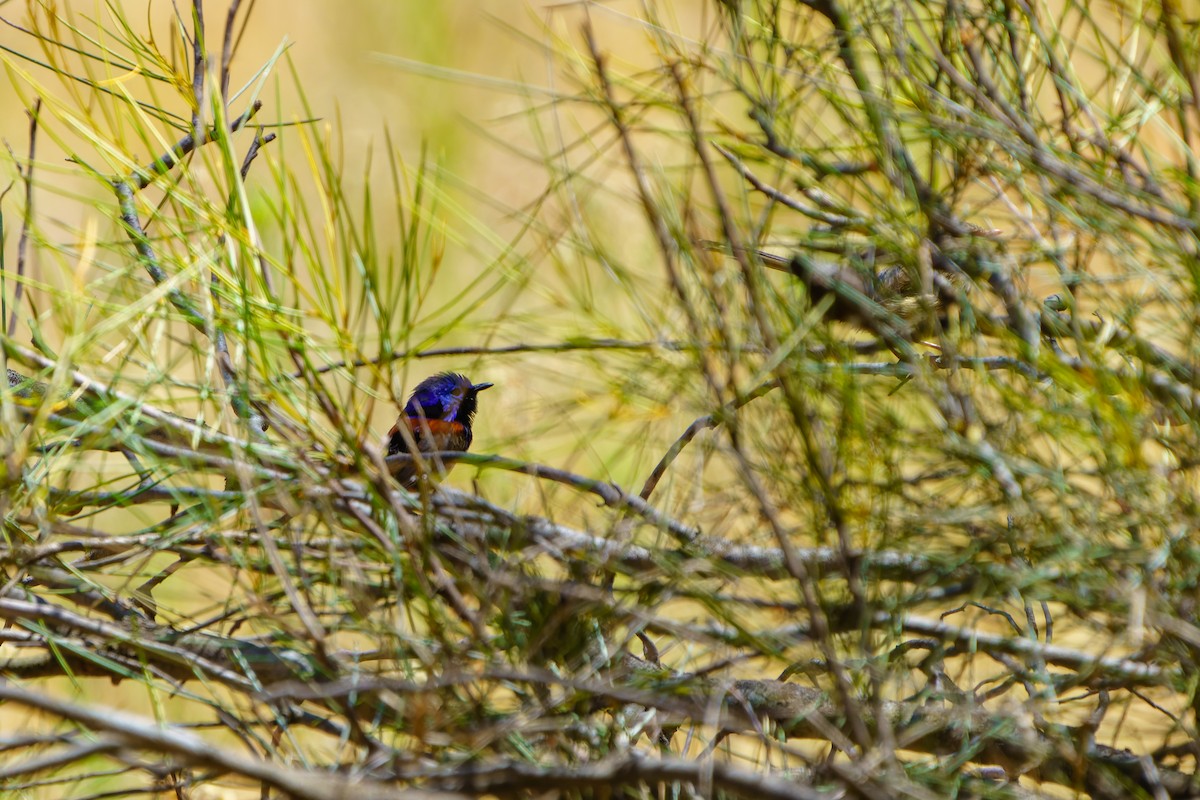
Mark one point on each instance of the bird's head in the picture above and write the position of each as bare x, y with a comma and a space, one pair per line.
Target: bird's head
446, 396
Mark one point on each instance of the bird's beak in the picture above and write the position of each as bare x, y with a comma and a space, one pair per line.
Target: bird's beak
479, 387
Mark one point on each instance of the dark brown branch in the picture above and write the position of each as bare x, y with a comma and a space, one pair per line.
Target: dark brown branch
259, 142
227, 48
141, 178
27, 217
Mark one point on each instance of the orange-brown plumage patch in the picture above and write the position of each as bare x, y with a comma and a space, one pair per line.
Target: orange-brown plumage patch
436, 427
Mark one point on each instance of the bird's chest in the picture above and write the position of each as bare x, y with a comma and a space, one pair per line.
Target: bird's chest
432, 435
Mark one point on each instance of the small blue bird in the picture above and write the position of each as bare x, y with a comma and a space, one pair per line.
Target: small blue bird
437, 418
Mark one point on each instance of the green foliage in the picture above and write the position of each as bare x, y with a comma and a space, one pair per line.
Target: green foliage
845, 372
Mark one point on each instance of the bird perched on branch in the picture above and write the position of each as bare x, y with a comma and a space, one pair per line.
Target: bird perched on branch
436, 418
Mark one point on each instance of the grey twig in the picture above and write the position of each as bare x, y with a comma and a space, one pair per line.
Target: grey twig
532, 347
611, 494
782, 198
700, 424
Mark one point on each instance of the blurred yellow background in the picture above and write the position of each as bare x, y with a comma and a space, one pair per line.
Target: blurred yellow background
483, 89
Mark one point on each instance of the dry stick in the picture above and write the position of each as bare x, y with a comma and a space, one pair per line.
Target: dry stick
823, 169
776, 698
83, 645
169, 426
317, 635
1062, 79
1053, 324
169, 648
667, 247
182, 426
1098, 667
141, 178
90, 436
259, 142
894, 153
241, 405
73, 587
220, 341
702, 423
662, 233
149, 642
556, 539
500, 529
667, 250
802, 712
1178, 50
308, 618
23, 242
